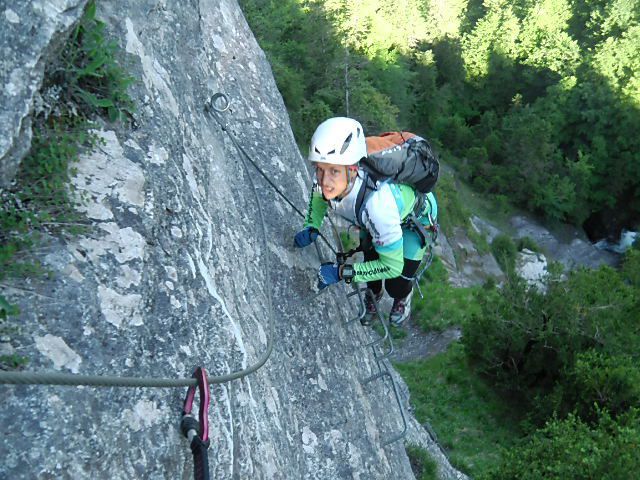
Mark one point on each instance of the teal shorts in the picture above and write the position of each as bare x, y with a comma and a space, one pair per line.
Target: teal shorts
411, 241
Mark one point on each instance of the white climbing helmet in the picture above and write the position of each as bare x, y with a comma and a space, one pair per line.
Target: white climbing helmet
339, 141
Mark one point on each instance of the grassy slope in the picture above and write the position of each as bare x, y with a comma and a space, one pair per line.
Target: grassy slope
468, 417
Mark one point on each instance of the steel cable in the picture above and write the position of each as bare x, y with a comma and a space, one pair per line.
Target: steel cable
69, 379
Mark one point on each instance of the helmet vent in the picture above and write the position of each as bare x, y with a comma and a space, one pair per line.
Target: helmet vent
317, 151
346, 143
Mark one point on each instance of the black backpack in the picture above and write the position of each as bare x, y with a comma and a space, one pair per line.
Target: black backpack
399, 157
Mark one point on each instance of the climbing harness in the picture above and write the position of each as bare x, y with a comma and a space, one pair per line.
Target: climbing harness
197, 432
425, 232
428, 237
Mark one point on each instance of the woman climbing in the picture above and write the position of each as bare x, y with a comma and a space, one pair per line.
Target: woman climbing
386, 212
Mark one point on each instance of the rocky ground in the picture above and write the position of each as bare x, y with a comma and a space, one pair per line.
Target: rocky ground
418, 345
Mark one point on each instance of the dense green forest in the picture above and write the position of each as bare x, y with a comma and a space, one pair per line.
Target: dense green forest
537, 101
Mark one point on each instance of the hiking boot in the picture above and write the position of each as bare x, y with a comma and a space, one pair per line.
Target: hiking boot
370, 309
400, 310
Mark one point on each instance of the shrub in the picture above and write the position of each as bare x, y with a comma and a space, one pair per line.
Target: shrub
422, 465
503, 205
599, 381
89, 72
454, 212
528, 342
572, 449
631, 266
505, 252
528, 243
503, 338
6, 309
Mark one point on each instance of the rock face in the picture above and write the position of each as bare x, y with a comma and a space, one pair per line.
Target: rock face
572, 253
569, 246
532, 267
173, 275
29, 31
466, 265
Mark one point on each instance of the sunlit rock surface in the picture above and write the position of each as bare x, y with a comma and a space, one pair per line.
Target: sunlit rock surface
532, 267
172, 275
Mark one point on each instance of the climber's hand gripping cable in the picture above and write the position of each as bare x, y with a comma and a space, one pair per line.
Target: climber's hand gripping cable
331, 273
328, 274
305, 237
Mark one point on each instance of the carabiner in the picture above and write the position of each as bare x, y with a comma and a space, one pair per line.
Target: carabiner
341, 257
188, 422
197, 433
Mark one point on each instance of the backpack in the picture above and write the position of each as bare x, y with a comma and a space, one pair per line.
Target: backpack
402, 157
399, 157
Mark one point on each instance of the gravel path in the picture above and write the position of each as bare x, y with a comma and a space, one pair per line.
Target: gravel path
418, 345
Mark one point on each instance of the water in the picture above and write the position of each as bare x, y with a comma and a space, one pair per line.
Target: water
627, 239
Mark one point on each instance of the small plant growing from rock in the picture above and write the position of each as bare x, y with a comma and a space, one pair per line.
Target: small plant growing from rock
83, 81
504, 250
423, 466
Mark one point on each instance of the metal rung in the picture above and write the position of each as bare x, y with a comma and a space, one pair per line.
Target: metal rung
377, 376
384, 371
363, 310
382, 366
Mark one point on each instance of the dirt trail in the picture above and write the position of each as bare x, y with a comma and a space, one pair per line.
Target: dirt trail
418, 345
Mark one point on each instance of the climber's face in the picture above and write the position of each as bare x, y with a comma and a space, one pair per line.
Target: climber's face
333, 179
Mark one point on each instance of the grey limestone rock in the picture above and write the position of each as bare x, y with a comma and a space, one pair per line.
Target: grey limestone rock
173, 274
572, 252
532, 267
471, 267
29, 31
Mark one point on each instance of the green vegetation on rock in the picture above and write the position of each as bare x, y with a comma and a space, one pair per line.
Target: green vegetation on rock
83, 81
423, 466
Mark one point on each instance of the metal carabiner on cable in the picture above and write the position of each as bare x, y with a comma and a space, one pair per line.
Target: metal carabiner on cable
197, 432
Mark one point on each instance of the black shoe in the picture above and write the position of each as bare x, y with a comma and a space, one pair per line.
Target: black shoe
371, 310
400, 310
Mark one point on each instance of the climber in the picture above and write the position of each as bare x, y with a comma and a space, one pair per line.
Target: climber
393, 247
